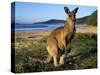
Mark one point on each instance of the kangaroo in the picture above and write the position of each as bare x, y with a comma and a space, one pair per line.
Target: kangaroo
59, 41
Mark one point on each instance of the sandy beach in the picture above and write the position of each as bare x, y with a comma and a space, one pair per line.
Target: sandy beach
86, 29
39, 34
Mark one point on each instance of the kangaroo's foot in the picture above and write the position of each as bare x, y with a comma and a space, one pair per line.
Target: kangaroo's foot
55, 61
48, 59
62, 61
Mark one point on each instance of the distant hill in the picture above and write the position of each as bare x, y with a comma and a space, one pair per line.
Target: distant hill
52, 21
89, 20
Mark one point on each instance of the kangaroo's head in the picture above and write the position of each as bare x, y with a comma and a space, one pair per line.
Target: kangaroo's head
71, 14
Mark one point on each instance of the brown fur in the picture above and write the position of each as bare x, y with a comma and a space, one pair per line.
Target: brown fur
59, 41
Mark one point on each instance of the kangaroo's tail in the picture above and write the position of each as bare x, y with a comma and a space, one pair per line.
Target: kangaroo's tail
46, 60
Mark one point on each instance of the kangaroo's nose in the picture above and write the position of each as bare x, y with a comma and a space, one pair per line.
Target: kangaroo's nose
74, 20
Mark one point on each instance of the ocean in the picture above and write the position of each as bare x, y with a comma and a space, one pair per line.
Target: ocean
38, 27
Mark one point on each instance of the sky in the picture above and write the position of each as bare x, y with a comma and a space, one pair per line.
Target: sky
27, 12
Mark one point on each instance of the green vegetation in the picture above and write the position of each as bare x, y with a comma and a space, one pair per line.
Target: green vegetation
89, 20
84, 46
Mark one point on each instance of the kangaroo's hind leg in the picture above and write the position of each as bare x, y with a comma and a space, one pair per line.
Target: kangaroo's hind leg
52, 50
55, 61
65, 53
62, 59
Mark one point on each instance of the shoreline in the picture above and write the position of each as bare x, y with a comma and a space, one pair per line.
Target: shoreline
35, 34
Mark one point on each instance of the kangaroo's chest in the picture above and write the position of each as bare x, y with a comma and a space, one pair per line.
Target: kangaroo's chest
64, 36
70, 33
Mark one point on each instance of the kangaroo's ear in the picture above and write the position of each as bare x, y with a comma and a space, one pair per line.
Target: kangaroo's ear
75, 10
66, 10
